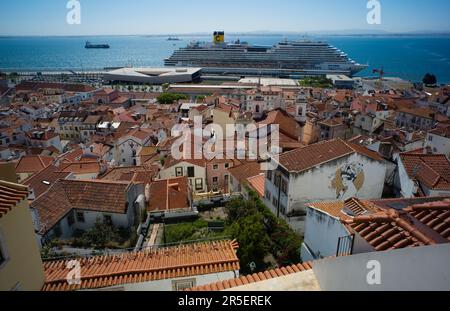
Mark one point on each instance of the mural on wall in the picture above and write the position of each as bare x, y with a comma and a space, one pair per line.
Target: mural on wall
348, 180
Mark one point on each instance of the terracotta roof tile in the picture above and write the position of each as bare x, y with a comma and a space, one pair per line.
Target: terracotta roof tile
85, 167
431, 170
149, 265
258, 184
302, 159
41, 181
33, 164
10, 195
169, 194
416, 225
246, 170
65, 195
254, 278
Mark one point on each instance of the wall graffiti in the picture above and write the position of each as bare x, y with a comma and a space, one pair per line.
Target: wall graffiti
348, 180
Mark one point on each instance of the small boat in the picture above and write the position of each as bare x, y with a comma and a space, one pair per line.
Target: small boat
89, 45
173, 39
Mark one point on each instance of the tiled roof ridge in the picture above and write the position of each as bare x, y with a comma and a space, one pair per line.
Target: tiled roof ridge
423, 155
316, 144
10, 195
389, 216
438, 176
325, 161
443, 205
369, 153
121, 269
254, 278
97, 181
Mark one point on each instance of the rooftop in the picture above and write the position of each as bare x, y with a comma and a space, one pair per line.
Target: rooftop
146, 266
258, 184
10, 195
433, 171
33, 163
65, 195
169, 194
416, 225
305, 158
246, 170
254, 278
41, 181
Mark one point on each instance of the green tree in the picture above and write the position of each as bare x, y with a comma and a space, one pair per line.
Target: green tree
101, 234
170, 98
253, 242
429, 79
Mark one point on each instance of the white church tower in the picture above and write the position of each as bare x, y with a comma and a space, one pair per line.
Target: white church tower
301, 105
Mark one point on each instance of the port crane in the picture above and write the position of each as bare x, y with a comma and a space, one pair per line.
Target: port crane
382, 74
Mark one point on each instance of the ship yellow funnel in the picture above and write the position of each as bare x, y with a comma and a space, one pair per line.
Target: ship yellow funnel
219, 37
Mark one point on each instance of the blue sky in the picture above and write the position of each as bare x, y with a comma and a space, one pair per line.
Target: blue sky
121, 17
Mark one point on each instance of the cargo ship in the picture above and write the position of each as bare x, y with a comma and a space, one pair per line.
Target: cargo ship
89, 45
286, 59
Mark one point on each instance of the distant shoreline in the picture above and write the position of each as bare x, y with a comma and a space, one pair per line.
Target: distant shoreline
444, 34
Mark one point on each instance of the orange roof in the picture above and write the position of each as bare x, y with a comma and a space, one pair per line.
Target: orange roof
88, 167
146, 266
417, 225
258, 184
136, 174
93, 195
254, 278
353, 206
169, 194
41, 181
246, 170
417, 111
287, 124
10, 195
33, 164
433, 171
302, 159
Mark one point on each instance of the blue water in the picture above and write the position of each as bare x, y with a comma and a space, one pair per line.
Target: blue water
407, 57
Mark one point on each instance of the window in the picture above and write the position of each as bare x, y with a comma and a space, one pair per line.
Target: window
215, 180
269, 175
284, 185
191, 172
107, 219
268, 195
215, 167
275, 201
80, 217
183, 284
198, 184
227, 165
70, 219
178, 171
277, 180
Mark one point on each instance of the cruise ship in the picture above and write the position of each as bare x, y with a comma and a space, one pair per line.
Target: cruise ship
292, 59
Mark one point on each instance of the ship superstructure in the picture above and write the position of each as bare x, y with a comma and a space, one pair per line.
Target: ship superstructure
288, 58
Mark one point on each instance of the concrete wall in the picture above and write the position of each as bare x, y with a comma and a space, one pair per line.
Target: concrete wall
199, 172
438, 144
168, 285
409, 269
23, 268
319, 183
403, 183
325, 182
322, 233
